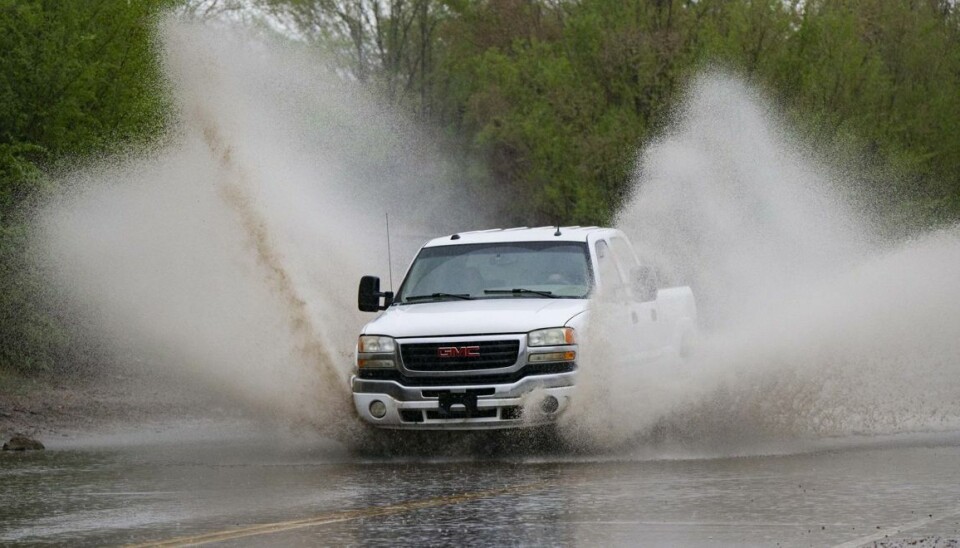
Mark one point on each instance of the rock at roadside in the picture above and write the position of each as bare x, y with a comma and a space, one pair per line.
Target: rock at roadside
19, 442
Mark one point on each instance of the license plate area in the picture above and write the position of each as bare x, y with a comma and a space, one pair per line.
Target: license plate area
457, 405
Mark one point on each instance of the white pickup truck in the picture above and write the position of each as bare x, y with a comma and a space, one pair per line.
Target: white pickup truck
483, 332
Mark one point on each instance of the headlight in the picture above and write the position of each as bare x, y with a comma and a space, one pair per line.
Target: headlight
555, 336
376, 352
376, 344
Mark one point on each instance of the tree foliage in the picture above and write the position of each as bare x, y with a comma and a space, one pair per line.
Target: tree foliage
557, 95
389, 45
76, 78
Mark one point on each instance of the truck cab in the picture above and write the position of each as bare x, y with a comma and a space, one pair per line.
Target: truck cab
485, 330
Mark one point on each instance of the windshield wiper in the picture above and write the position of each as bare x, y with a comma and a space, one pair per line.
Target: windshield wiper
521, 291
464, 296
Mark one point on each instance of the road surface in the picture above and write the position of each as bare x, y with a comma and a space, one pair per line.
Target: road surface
251, 491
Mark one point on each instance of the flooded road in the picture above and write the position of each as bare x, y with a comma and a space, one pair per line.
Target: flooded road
256, 492
228, 261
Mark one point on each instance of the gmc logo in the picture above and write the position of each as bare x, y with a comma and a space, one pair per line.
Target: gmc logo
458, 352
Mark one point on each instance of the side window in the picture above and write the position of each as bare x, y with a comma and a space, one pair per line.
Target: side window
610, 280
624, 255
641, 280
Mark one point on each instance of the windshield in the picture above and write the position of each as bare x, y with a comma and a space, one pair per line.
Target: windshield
498, 271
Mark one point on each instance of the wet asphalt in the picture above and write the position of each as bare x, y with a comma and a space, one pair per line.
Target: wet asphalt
311, 492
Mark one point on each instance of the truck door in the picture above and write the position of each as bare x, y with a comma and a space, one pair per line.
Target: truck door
645, 318
624, 324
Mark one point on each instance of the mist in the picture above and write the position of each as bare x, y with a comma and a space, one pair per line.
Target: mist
812, 325
230, 255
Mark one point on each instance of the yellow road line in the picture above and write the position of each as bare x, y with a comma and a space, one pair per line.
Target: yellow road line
335, 517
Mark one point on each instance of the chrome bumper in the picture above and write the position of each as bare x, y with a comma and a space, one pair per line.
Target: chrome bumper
511, 405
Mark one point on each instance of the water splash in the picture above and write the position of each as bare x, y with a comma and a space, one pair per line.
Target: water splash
811, 324
231, 256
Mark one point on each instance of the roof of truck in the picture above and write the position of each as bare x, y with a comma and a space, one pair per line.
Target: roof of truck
521, 234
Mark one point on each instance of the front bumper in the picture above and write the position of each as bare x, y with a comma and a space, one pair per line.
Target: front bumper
480, 406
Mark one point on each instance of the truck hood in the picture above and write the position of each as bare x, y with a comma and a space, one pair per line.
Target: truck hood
479, 317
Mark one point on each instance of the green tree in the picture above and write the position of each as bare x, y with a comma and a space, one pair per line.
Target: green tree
388, 44
559, 95
76, 78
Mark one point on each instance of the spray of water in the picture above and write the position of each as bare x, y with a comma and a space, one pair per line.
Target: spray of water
811, 325
231, 256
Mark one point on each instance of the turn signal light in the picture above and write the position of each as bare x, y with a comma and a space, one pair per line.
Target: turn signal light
567, 356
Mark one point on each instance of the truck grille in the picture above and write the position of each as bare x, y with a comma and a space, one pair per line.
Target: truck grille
485, 355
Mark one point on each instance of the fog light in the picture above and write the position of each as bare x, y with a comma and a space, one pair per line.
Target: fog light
378, 409
549, 405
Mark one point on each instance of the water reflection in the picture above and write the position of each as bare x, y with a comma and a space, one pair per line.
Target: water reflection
154, 493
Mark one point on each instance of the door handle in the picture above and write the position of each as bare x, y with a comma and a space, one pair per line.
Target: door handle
633, 315
653, 314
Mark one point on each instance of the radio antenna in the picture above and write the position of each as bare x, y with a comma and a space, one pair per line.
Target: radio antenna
389, 257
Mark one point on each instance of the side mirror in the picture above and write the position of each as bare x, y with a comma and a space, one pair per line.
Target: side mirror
368, 296
645, 285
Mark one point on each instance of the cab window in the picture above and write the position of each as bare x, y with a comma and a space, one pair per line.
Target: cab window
611, 281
